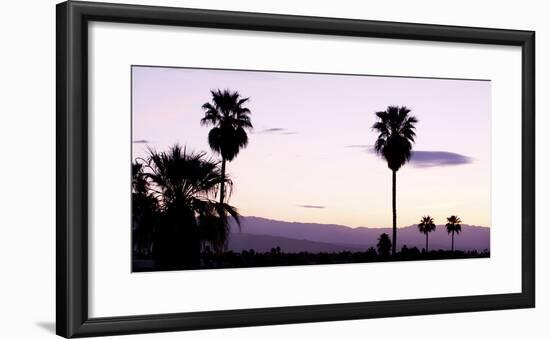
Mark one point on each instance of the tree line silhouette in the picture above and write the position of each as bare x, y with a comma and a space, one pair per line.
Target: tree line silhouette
277, 257
180, 210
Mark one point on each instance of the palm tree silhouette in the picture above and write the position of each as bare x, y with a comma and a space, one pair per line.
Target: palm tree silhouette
230, 120
453, 226
184, 184
396, 136
144, 212
384, 245
426, 226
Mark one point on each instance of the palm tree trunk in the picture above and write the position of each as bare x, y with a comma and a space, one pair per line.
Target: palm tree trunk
426, 242
394, 209
222, 183
452, 241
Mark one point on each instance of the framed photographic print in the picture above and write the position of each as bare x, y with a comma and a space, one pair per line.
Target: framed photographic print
222, 169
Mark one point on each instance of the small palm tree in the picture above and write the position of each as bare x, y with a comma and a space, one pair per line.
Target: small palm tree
184, 184
226, 112
426, 226
396, 135
384, 245
453, 226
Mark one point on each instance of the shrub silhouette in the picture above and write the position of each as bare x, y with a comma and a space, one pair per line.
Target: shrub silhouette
384, 245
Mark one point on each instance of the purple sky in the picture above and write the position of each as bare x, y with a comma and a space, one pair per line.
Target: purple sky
310, 155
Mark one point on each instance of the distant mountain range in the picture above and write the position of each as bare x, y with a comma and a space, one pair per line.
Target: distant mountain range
263, 234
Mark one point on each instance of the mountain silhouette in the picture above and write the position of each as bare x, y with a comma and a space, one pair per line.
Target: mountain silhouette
264, 243
262, 234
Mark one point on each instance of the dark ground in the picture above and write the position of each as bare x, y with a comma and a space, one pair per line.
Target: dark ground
275, 257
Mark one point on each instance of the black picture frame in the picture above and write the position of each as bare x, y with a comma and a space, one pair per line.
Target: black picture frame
72, 319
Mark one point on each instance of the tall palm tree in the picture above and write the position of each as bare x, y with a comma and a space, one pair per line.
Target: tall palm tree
396, 135
226, 112
426, 226
184, 183
453, 226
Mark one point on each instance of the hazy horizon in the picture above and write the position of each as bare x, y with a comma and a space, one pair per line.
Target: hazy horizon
263, 234
310, 158
353, 227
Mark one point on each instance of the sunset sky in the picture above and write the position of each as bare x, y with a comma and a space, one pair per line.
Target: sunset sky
310, 158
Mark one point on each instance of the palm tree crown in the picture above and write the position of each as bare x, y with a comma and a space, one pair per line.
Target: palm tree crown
230, 120
178, 176
426, 225
396, 135
453, 224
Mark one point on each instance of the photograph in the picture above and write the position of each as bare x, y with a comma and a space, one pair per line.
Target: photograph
236, 168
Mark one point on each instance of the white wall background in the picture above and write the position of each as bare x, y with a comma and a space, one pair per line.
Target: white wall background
27, 168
